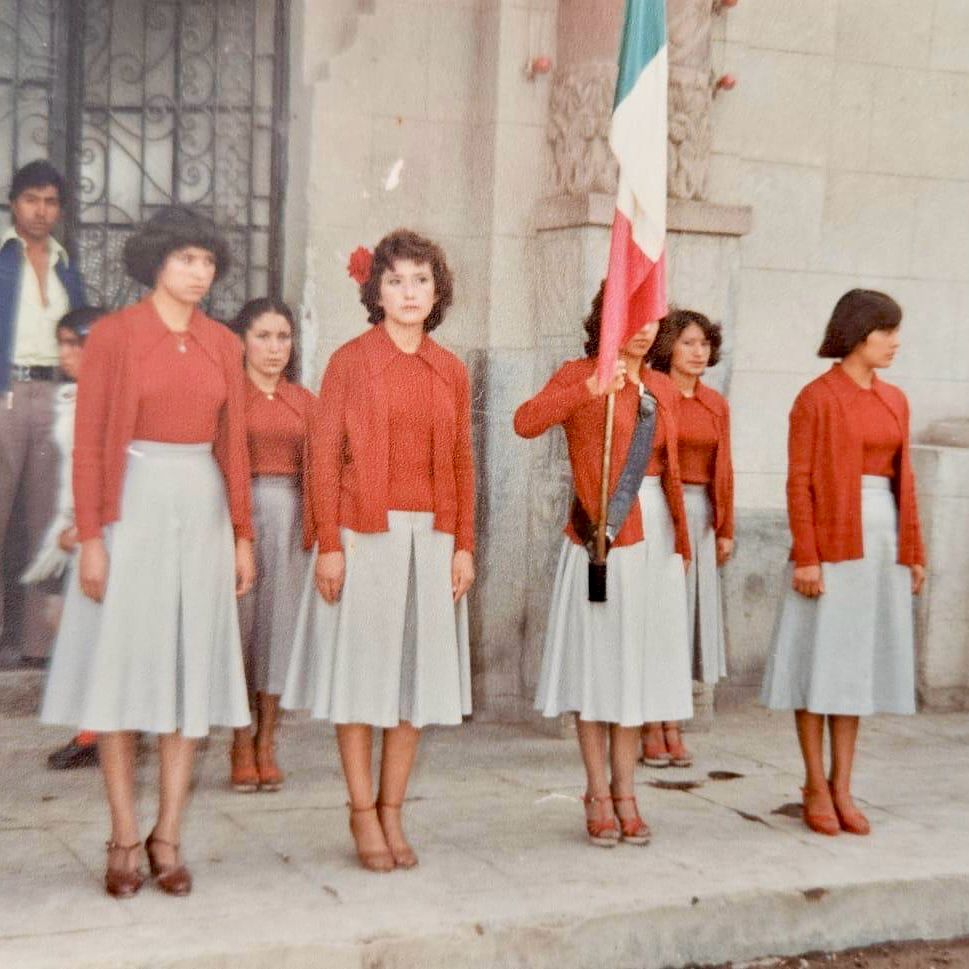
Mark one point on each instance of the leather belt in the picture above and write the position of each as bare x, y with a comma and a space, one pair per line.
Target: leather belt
27, 374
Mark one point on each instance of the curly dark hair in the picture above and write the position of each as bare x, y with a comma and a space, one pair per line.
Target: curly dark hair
405, 244
660, 356
857, 314
251, 312
168, 230
592, 324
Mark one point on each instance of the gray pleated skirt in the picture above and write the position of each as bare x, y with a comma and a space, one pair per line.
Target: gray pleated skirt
268, 614
850, 651
625, 660
395, 647
161, 653
704, 607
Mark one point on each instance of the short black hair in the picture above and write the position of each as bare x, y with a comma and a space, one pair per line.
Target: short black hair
80, 321
857, 314
251, 312
406, 244
168, 230
37, 174
660, 356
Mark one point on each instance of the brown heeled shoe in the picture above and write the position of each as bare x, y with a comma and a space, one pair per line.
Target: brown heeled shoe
822, 823
122, 882
244, 776
172, 879
402, 852
379, 859
850, 819
602, 833
270, 776
633, 830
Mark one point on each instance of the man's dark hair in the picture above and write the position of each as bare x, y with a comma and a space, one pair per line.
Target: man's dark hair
37, 174
858, 313
660, 356
405, 244
251, 312
168, 230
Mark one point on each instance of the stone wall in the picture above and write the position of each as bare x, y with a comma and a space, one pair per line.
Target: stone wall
848, 133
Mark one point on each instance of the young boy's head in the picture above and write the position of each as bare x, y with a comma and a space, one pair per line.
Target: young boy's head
72, 331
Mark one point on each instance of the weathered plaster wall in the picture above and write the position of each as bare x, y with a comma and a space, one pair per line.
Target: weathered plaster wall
848, 133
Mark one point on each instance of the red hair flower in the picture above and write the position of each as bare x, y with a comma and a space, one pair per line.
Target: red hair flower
360, 264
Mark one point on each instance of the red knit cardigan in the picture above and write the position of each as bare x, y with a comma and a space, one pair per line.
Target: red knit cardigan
107, 410
565, 400
721, 486
825, 460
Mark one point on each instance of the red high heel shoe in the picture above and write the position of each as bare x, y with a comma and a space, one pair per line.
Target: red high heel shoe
634, 830
850, 819
822, 822
602, 833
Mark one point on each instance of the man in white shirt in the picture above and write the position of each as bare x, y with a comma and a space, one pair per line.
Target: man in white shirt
38, 285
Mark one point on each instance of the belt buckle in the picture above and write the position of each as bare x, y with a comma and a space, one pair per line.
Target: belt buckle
21, 373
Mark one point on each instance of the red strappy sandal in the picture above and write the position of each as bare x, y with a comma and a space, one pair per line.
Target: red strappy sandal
602, 833
634, 830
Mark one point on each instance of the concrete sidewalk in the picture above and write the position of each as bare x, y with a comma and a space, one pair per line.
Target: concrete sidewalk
506, 878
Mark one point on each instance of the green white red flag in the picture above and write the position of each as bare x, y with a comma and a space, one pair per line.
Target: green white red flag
636, 278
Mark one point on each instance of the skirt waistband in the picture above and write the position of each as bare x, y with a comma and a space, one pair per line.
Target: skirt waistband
875, 482
164, 449
694, 489
652, 481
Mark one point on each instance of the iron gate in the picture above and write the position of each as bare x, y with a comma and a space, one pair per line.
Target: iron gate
160, 101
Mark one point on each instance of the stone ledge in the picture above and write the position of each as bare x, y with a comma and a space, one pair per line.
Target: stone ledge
596, 209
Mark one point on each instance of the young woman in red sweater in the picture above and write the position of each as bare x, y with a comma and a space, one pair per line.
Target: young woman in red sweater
149, 639
686, 345
843, 645
392, 486
278, 413
619, 663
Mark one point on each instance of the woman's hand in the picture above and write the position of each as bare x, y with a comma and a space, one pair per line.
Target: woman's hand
245, 566
918, 578
724, 550
617, 383
462, 573
808, 581
331, 569
67, 539
93, 571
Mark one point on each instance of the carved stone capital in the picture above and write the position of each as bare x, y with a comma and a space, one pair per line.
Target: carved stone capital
578, 129
581, 111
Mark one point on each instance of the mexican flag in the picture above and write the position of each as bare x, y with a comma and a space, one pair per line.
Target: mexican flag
636, 278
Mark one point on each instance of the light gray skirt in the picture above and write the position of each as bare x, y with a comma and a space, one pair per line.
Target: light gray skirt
161, 653
704, 607
395, 647
625, 660
850, 651
268, 614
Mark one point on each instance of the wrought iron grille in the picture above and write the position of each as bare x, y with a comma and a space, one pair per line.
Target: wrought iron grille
151, 102
27, 78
